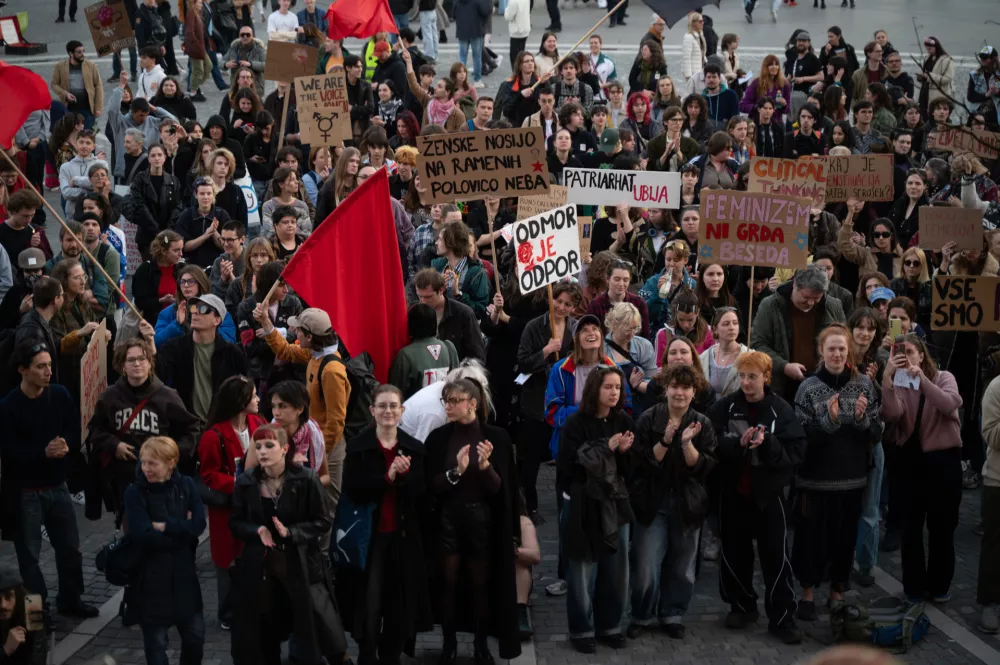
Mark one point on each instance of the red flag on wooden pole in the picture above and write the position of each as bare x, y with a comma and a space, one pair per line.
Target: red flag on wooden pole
359, 18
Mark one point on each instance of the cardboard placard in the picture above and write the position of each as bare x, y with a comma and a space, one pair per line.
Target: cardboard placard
286, 61
585, 227
940, 225
981, 143
747, 229
637, 189
529, 206
548, 248
131, 247
93, 375
324, 114
803, 178
966, 303
470, 166
863, 177
109, 26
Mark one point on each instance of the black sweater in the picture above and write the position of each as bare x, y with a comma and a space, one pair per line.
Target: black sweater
29, 426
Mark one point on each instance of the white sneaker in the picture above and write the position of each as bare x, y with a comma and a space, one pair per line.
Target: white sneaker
774, 16
558, 588
45, 533
79, 499
710, 552
479, 84
602, 4
499, 61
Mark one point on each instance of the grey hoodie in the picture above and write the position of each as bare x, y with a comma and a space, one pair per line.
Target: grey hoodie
122, 122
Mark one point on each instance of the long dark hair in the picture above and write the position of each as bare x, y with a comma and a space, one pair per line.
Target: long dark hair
232, 397
473, 389
295, 394
61, 132
592, 391
268, 275
845, 126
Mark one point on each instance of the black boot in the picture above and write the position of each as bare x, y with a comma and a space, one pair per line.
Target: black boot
449, 650
524, 627
481, 651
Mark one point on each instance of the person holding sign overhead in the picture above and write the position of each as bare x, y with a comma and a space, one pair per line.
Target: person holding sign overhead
439, 106
464, 276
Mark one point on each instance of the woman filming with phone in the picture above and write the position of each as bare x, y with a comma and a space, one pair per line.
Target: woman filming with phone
927, 435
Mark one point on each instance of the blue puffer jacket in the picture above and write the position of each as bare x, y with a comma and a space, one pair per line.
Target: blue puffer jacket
560, 397
167, 327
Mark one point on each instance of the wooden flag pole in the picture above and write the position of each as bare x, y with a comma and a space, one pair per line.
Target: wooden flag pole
493, 249
582, 39
552, 315
83, 247
750, 313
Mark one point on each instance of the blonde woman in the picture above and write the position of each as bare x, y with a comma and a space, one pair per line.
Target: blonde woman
634, 355
693, 48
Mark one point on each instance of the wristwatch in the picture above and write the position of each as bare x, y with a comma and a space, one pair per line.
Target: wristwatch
453, 475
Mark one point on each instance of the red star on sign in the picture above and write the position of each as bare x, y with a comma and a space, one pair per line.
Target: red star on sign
536, 167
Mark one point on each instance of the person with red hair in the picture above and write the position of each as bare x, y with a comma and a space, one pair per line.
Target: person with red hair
640, 120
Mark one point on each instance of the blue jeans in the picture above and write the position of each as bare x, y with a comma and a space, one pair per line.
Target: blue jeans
597, 592
429, 29
52, 508
665, 557
402, 21
866, 549
156, 639
477, 56
220, 82
116, 62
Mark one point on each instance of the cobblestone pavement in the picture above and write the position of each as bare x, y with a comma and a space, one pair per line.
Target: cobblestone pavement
707, 641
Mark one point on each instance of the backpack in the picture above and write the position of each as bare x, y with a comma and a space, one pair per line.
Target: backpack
361, 377
467, 106
886, 622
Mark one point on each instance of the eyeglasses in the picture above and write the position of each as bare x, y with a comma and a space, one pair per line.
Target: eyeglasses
621, 263
395, 406
201, 308
453, 401
909, 263
246, 34
38, 348
881, 234
227, 241
187, 282
137, 360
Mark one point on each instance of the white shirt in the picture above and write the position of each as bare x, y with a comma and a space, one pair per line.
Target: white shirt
278, 22
424, 412
149, 82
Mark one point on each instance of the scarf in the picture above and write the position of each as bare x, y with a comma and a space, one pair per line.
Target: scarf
438, 111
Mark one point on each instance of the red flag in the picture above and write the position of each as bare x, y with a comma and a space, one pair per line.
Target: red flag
23, 92
350, 268
359, 18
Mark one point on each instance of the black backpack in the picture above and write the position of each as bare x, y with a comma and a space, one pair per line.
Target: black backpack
361, 376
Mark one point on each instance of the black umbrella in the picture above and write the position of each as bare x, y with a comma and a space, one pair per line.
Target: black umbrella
672, 11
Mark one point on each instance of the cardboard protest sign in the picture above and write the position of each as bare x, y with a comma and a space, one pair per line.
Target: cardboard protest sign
469, 166
131, 246
93, 374
548, 248
586, 230
863, 177
286, 61
804, 178
324, 115
981, 143
966, 303
745, 229
637, 189
109, 26
940, 225
529, 206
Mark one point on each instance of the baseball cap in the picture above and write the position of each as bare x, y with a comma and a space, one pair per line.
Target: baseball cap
587, 319
213, 301
31, 258
880, 293
382, 47
609, 139
313, 320
803, 36
987, 52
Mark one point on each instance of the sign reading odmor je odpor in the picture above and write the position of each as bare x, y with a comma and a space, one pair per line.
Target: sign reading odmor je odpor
636, 189
547, 248
468, 166
747, 229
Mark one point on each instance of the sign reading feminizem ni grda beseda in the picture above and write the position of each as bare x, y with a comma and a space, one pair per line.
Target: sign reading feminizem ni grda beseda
752, 229
547, 248
636, 189
470, 166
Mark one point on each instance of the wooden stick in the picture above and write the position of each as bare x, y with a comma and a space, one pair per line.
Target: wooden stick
552, 314
750, 313
586, 35
83, 247
267, 298
493, 249
284, 117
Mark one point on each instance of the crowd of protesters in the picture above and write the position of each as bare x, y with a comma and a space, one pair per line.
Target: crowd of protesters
689, 407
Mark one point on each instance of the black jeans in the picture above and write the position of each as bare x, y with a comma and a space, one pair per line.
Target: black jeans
931, 491
741, 521
156, 640
383, 603
72, 8
989, 572
52, 508
116, 62
619, 16
826, 534
555, 18
517, 44
532, 451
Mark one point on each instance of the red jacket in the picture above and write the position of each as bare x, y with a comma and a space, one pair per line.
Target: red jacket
220, 475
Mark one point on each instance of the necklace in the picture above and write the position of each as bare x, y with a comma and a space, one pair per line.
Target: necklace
274, 485
721, 358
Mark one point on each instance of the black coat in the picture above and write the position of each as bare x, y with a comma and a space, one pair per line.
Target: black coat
516, 107
175, 365
151, 210
145, 285
459, 325
506, 528
165, 590
365, 483
393, 69
304, 509
259, 355
771, 463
